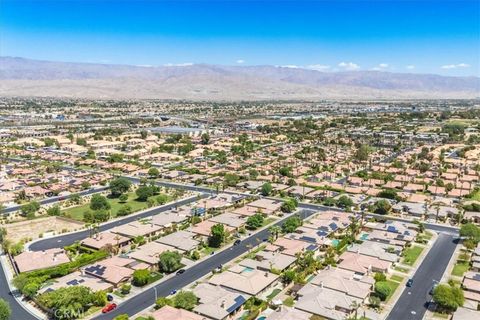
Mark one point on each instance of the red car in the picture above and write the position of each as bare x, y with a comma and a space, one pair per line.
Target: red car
109, 307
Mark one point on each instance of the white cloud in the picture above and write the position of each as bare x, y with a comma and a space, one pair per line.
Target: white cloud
184, 64
381, 66
240, 61
410, 67
454, 66
349, 65
318, 67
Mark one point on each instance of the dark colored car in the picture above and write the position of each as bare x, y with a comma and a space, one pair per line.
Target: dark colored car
410, 282
109, 307
237, 242
180, 271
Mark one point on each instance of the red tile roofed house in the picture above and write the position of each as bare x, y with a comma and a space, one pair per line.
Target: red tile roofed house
290, 246
35, 260
267, 206
412, 187
344, 281
104, 239
171, 313
252, 282
355, 181
203, 229
150, 252
325, 302
362, 264
436, 190
114, 270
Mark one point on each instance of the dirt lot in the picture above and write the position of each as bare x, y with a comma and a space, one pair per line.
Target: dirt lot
33, 228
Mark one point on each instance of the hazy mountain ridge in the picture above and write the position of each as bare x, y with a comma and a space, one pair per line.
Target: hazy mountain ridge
25, 77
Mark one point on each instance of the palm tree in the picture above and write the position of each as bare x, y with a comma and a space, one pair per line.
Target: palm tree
275, 231
355, 305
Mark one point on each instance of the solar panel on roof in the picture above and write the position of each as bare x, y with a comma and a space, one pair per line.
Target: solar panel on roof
238, 302
72, 282
308, 239
333, 226
391, 229
323, 228
322, 233
311, 247
476, 276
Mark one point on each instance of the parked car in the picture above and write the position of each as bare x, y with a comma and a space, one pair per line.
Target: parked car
109, 307
410, 282
237, 242
180, 271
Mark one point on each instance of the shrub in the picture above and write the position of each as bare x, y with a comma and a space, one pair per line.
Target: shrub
125, 289
382, 290
141, 277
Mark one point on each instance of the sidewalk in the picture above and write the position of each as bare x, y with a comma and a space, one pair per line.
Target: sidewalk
29, 307
226, 247
412, 270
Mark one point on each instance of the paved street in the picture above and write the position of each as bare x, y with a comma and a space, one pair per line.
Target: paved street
413, 302
68, 239
18, 312
56, 199
147, 298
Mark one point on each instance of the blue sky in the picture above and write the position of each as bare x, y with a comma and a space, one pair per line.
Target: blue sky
426, 36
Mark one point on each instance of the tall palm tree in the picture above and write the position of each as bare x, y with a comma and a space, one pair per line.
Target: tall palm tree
275, 231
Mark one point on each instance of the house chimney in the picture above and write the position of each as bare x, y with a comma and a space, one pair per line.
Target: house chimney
321, 284
223, 304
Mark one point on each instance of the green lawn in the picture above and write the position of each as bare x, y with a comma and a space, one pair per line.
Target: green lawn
476, 196
273, 294
460, 268
393, 285
400, 269
396, 278
77, 212
268, 221
441, 315
411, 255
289, 302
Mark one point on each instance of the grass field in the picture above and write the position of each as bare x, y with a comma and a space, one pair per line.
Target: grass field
396, 278
393, 285
411, 255
460, 268
476, 196
400, 269
77, 212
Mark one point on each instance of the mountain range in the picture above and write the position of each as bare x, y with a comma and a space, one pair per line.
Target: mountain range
26, 77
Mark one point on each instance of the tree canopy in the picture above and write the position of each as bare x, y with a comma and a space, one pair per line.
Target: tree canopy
170, 261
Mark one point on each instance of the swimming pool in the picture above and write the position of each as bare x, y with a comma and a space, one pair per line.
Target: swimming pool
248, 269
364, 236
335, 242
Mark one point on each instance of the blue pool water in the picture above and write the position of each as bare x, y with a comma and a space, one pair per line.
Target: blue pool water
247, 269
335, 242
262, 318
364, 236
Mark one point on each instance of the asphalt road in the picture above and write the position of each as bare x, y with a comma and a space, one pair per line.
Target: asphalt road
68, 239
55, 199
18, 312
413, 303
145, 299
